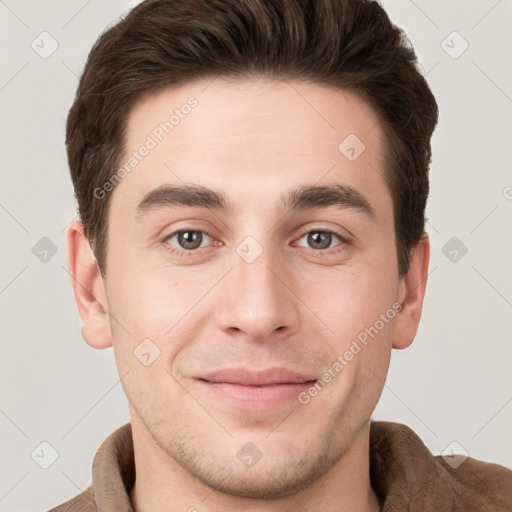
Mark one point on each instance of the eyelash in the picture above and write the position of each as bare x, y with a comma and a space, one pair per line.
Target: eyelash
193, 252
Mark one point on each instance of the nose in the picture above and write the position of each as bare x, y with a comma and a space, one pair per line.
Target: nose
257, 299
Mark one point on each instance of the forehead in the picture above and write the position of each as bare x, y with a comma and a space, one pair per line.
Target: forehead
252, 139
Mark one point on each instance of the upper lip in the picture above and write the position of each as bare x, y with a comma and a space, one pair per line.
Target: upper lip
257, 377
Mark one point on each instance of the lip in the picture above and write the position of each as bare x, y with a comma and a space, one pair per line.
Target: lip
248, 389
245, 376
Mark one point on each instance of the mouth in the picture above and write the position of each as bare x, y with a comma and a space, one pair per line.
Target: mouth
246, 388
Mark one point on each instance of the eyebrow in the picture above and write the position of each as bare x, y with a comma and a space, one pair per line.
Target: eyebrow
305, 197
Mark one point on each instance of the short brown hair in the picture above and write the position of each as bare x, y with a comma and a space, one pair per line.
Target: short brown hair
349, 44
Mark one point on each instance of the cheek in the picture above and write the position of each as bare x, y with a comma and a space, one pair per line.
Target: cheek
362, 315
150, 301
355, 300
155, 314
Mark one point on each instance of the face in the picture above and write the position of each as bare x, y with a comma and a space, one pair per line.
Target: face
268, 309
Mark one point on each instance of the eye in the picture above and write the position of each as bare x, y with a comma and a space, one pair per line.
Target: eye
186, 240
321, 239
189, 241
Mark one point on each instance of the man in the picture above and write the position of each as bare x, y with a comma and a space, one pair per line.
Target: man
252, 179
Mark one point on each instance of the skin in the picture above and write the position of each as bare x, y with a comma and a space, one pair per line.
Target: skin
291, 307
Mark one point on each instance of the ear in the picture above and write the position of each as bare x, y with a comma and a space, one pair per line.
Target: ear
89, 289
410, 294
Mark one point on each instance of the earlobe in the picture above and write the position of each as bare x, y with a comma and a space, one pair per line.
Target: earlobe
88, 288
411, 293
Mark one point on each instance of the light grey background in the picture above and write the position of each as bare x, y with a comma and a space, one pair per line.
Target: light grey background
453, 384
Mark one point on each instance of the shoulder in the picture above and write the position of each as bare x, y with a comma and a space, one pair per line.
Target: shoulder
405, 471
84, 502
478, 485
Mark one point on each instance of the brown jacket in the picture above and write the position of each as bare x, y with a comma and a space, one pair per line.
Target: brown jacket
404, 474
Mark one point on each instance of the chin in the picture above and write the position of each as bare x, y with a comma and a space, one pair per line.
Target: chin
264, 483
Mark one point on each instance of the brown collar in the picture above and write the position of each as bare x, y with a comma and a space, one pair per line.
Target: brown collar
403, 472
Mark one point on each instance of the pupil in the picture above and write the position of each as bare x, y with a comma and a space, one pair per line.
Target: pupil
317, 239
188, 238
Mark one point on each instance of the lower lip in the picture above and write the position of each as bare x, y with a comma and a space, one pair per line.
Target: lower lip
271, 395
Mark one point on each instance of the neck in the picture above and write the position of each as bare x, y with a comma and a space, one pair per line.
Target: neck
163, 485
